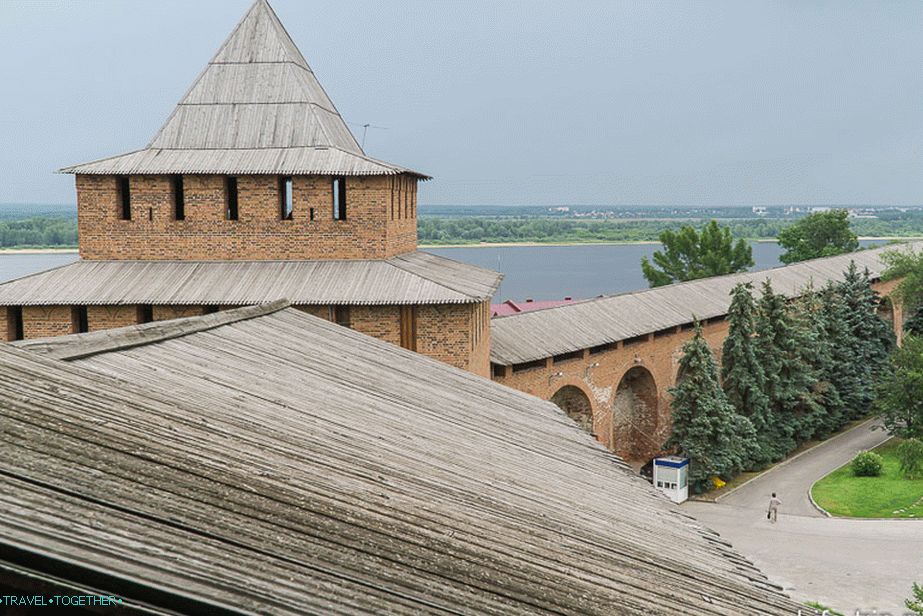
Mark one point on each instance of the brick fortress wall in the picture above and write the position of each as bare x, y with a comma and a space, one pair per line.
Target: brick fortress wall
625, 385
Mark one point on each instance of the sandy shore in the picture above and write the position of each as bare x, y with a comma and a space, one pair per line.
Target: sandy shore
36, 251
508, 244
44, 251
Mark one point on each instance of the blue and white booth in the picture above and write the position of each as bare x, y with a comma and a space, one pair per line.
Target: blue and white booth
671, 476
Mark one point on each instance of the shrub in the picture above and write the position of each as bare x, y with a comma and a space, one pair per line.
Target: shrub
910, 453
867, 464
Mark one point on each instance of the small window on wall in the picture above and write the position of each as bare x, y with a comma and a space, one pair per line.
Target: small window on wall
79, 322
409, 327
341, 316
145, 313
339, 198
230, 192
287, 198
14, 327
124, 197
179, 198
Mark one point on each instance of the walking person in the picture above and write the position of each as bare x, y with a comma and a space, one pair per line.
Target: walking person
773, 512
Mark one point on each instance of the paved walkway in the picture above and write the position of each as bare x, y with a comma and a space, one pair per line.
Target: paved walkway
845, 564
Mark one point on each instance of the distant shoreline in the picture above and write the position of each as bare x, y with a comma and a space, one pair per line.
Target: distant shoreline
617, 243
47, 251
37, 251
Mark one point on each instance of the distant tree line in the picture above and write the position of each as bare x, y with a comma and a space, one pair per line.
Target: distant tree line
60, 228
791, 371
38, 232
471, 230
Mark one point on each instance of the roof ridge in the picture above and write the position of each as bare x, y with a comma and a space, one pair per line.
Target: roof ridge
80, 346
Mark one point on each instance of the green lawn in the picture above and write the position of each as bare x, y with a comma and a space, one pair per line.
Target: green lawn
888, 496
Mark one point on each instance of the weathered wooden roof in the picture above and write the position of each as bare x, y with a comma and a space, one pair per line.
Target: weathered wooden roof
256, 108
539, 334
413, 278
275, 463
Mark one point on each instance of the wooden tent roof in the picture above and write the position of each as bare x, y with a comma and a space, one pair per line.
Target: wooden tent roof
256, 108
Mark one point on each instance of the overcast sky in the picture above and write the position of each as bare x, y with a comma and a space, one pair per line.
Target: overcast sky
508, 102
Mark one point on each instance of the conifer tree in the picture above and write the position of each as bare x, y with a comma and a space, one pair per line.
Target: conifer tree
742, 375
789, 377
822, 411
840, 371
706, 428
872, 338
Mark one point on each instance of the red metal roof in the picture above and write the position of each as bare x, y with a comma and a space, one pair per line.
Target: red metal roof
510, 307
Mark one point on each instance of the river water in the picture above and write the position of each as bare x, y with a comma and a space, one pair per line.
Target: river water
537, 272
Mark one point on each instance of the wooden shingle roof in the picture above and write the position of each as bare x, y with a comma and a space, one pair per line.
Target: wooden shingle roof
412, 278
265, 461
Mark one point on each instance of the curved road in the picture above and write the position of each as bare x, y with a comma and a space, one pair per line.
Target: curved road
846, 564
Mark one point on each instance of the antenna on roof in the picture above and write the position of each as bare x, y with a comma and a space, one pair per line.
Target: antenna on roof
365, 130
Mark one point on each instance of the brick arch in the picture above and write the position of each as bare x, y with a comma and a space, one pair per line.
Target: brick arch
576, 404
635, 414
886, 309
680, 375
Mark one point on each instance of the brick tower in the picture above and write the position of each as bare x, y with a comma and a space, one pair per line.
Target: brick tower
254, 190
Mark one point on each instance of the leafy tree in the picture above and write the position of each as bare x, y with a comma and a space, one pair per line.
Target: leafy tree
899, 400
907, 265
823, 234
915, 604
706, 428
742, 375
914, 324
910, 453
688, 255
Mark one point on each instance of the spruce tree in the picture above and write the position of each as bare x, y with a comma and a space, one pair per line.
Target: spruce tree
706, 428
822, 411
789, 377
872, 337
742, 375
840, 372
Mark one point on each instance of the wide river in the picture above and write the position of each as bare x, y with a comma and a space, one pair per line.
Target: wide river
538, 272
